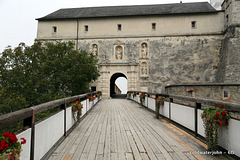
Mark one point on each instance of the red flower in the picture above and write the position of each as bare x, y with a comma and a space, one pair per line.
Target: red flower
215, 107
75, 100
76, 108
219, 106
82, 107
13, 138
6, 134
217, 115
2, 144
23, 140
7, 146
78, 102
224, 112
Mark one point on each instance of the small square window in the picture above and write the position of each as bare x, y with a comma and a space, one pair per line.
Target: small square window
154, 26
86, 28
227, 19
225, 94
54, 29
193, 24
119, 27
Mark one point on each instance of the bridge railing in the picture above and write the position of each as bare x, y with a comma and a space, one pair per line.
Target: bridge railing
45, 135
186, 111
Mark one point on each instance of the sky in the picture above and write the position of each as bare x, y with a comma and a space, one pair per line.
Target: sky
18, 22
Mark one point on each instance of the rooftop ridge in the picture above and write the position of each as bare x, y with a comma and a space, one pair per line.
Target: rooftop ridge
130, 10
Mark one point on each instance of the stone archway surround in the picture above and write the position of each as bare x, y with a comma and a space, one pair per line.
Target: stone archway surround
107, 71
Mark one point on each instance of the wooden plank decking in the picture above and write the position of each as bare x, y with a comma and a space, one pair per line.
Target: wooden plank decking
121, 129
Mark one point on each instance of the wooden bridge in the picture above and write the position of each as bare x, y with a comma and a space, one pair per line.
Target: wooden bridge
121, 129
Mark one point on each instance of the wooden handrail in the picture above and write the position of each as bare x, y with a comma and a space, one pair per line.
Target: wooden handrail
11, 118
230, 106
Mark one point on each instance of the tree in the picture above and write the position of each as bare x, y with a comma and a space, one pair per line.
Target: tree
43, 72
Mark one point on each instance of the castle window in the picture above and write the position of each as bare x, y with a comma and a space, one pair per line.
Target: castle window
225, 94
86, 28
119, 27
227, 19
153, 26
54, 29
193, 24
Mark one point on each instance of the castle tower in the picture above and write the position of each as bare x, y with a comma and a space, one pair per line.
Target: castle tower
229, 67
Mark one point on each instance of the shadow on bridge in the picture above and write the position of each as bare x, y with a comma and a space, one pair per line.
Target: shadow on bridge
119, 96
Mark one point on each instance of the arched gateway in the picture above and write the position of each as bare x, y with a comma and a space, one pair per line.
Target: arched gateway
111, 71
113, 79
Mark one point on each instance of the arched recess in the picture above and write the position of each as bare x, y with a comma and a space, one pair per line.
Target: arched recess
112, 83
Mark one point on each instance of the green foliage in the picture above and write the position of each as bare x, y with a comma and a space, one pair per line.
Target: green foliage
43, 72
211, 117
99, 94
76, 107
159, 102
134, 94
129, 94
142, 98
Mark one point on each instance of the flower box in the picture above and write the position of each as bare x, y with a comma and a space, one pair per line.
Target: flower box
222, 122
11, 156
212, 118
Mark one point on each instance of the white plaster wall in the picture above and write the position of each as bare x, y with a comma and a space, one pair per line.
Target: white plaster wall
138, 98
25, 154
135, 98
164, 110
95, 101
133, 26
69, 118
47, 133
65, 29
201, 129
183, 115
229, 137
84, 109
146, 101
90, 104
151, 104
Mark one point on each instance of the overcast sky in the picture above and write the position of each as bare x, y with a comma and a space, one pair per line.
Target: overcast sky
18, 22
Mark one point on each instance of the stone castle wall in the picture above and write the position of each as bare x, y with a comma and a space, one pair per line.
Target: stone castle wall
220, 92
229, 68
170, 60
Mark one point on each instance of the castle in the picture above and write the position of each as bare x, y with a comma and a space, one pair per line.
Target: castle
153, 46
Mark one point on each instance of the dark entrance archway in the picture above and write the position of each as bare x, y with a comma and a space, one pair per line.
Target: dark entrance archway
113, 93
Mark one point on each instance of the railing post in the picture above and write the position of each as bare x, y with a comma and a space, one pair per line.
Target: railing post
63, 107
197, 106
170, 101
32, 135
86, 104
30, 122
147, 99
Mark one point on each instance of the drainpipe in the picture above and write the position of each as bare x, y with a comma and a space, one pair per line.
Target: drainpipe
77, 33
